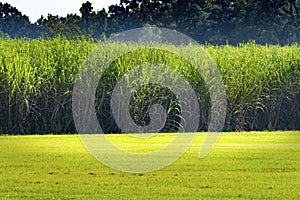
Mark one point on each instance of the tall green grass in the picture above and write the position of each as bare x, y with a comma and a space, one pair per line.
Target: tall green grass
36, 80
262, 84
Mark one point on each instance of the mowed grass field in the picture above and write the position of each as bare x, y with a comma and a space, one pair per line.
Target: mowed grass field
256, 165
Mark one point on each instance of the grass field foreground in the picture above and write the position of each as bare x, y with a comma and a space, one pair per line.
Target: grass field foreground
256, 165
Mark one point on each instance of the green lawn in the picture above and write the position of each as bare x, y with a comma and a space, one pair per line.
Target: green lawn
243, 165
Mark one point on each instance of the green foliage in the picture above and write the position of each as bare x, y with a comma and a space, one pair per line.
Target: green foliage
219, 21
36, 82
13, 23
36, 79
262, 82
151, 94
213, 21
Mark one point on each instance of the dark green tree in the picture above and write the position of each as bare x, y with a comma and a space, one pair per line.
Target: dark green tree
14, 23
87, 13
55, 25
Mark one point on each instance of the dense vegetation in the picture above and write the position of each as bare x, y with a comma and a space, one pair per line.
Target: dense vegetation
213, 21
262, 83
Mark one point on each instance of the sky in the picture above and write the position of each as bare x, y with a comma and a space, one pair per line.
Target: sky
35, 8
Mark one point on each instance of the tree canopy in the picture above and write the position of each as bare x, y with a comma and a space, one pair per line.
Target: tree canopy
212, 21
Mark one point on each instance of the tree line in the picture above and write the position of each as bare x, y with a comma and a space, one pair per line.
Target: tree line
206, 21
